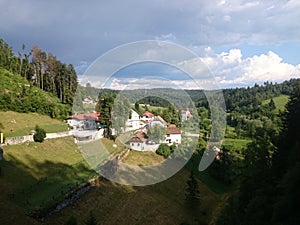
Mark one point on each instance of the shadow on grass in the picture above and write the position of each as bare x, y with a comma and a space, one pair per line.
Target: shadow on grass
42, 185
215, 185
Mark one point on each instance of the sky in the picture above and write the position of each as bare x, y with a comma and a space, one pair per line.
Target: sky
240, 42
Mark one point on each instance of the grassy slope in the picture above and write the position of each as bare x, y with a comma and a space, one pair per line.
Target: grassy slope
235, 144
35, 174
279, 101
14, 83
160, 204
57, 159
23, 123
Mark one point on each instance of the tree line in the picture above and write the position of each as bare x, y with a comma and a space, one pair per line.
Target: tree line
41, 69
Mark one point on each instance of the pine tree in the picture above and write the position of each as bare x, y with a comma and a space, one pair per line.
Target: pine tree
192, 195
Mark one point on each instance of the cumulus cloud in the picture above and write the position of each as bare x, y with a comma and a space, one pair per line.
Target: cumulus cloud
212, 71
231, 69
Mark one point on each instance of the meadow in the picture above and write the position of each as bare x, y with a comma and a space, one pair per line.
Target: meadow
20, 124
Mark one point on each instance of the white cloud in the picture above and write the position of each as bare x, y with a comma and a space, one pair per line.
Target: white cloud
212, 71
231, 69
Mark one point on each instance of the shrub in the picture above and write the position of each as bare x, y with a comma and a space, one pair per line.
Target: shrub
40, 134
163, 150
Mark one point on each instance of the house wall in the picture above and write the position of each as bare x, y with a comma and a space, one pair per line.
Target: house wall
134, 122
147, 119
137, 146
173, 138
75, 124
156, 122
143, 146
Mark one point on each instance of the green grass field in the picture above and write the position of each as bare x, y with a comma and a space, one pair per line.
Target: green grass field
38, 174
279, 101
235, 144
23, 123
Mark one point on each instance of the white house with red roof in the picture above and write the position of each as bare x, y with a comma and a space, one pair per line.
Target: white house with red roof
173, 135
147, 116
85, 121
138, 142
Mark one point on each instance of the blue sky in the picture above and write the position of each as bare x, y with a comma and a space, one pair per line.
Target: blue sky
241, 42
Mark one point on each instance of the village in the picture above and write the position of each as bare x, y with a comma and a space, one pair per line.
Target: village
87, 127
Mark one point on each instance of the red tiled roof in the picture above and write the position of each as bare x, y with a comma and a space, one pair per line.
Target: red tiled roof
142, 136
139, 138
172, 129
86, 116
148, 114
136, 140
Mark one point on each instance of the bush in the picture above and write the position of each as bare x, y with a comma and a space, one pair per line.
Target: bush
163, 150
40, 134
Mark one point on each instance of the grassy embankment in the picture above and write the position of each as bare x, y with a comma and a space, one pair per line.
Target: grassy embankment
23, 123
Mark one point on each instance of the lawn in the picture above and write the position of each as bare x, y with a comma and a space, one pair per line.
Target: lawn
23, 123
138, 158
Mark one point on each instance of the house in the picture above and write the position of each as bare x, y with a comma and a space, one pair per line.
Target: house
158, 120
147, 116
185, 114
138, 142
173, 135
134, 122
89, 100
85, 121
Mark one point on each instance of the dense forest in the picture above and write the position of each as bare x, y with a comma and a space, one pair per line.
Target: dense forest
269, 192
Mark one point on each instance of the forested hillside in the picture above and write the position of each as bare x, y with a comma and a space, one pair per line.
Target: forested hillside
269, 190
35, 81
